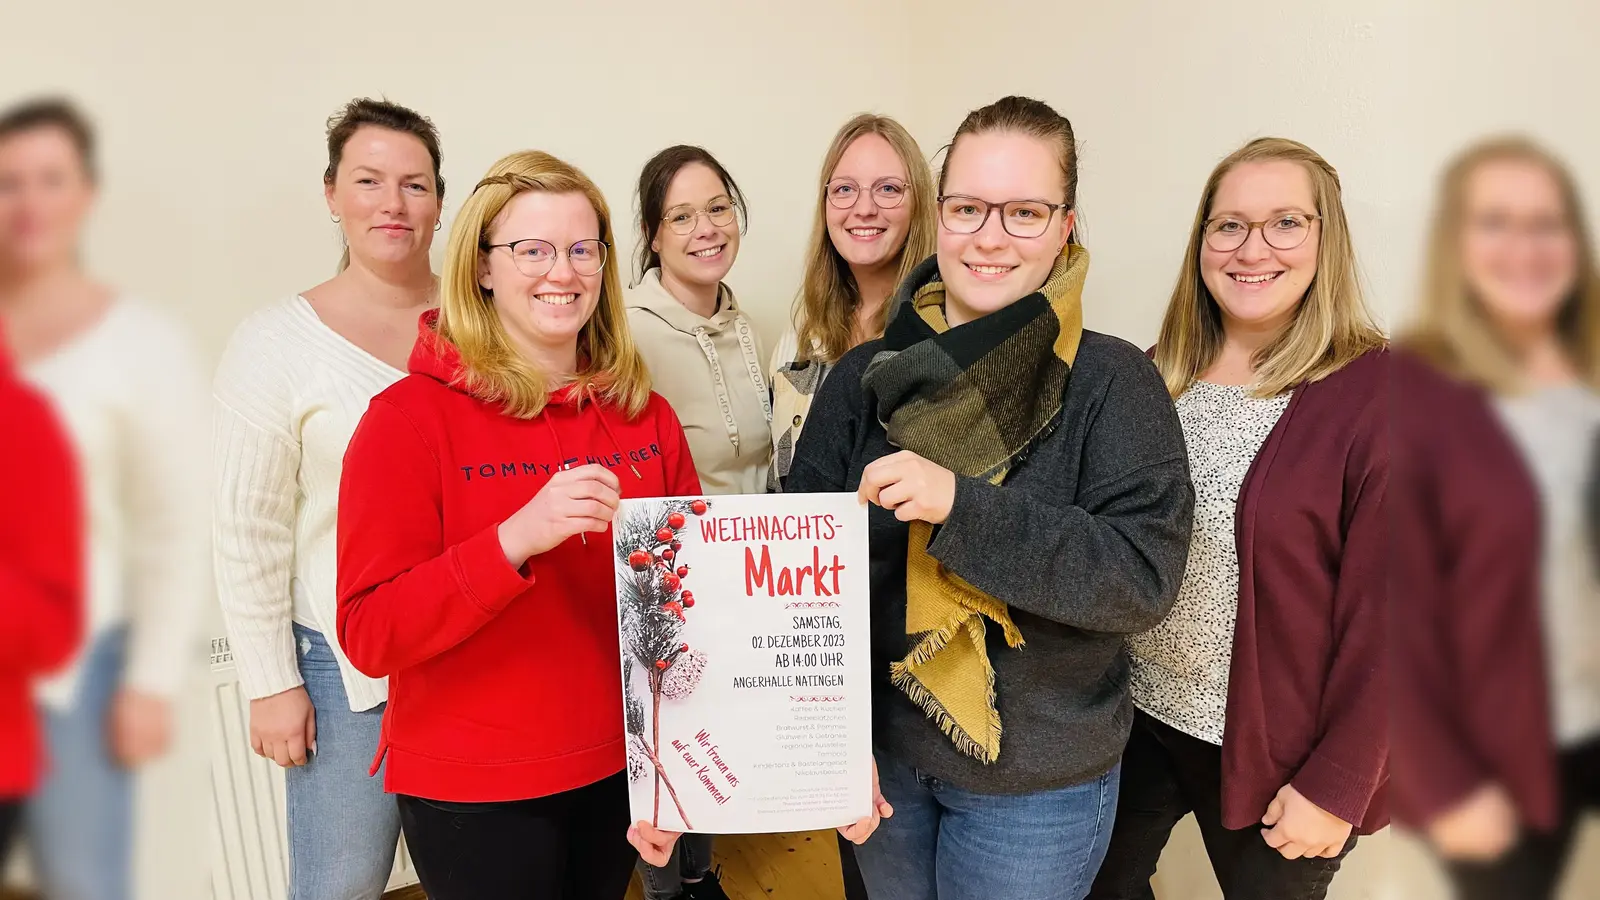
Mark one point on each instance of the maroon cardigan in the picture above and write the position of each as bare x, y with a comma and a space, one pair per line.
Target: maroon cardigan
1470, 692
1308, 697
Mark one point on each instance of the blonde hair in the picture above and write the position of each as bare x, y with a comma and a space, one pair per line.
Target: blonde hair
1452, 329
1331, 325
825, 309
609, 365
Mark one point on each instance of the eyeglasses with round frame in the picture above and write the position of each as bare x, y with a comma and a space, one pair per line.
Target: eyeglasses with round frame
683, 218
1285, 231
534, 257
965, 214
887, 192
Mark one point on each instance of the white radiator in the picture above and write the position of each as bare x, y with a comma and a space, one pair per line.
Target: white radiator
250, 852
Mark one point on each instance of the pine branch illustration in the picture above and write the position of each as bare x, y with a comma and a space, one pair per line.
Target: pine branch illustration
648, 545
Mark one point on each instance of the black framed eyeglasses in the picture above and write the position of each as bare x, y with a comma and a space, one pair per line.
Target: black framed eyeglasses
683, 218
963, 214
535, 257
886, 193
1288, 231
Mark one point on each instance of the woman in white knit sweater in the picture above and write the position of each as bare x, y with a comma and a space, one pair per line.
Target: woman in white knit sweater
125, 382
293, 383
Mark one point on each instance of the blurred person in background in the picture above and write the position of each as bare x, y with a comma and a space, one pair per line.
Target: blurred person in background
1497, 712
125, 380
41, 581
1262, 702
292, 385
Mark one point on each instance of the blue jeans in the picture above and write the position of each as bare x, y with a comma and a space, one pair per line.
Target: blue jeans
80, 823
945, 843
691, 858
343, 829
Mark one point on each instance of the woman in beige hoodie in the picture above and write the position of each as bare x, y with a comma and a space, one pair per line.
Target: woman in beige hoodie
706, 360
703, 352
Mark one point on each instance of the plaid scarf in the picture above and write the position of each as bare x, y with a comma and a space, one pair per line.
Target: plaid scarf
975, 400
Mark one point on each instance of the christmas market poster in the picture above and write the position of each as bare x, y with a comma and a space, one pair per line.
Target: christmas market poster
744, 630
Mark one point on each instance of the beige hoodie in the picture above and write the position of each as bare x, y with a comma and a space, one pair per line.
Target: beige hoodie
712, 373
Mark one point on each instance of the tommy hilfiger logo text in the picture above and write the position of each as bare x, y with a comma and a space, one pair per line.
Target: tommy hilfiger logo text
517, 469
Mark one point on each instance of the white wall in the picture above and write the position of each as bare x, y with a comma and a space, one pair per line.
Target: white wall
212, 117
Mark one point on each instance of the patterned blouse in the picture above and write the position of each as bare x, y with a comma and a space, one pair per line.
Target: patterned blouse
794, 384
1180, 668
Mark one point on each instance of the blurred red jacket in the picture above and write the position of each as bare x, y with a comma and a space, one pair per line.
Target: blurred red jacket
41, 569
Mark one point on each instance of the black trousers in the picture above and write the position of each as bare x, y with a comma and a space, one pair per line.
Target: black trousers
10, 816
1166, 775
1533, 868
569, 846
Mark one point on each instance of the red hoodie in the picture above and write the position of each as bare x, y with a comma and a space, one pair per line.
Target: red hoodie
41, 570
504, 684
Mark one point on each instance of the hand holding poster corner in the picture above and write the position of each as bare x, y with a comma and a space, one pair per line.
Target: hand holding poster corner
744, 629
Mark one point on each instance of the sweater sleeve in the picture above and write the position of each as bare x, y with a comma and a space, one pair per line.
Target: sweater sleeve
41, 556
404, 596
166, 508
256, 458
1350, 762
1114, 560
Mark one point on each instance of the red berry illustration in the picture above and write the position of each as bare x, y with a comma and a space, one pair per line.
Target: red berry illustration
676, 545
683, 571
661, 664
674, 607
698, 507
671, 581
684, 649
664, 535
639, 560
668, 554
688, 599
675, 520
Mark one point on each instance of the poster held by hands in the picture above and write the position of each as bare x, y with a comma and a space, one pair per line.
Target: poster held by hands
744, 629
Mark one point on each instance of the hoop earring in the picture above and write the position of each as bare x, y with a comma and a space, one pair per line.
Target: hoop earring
335, 219
437, 225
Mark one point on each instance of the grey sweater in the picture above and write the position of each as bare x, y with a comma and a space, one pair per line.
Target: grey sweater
1086, 541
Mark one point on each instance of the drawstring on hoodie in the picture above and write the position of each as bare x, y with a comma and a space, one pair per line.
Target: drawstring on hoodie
599, 412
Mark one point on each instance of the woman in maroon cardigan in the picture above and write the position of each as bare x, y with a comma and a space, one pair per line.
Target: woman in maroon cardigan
1497, 695
1279, 631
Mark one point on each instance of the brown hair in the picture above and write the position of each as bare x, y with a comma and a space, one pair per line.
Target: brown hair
364, 111
655, 179
58, 113
1452, 329
1331, 325
1034, 118
609, 363
826, 307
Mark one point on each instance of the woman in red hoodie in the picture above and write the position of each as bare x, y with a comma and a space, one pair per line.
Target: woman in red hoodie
41, 579
473, 555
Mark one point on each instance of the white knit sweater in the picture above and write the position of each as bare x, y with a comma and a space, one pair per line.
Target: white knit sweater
288, 395
131, 393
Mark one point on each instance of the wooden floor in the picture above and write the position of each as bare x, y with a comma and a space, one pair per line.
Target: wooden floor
759, 867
